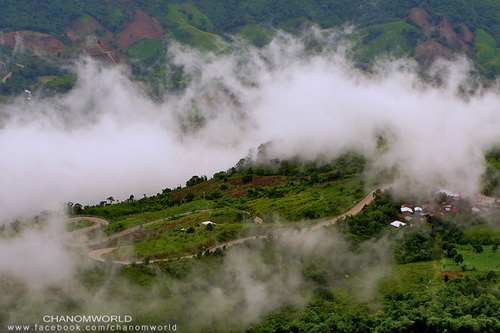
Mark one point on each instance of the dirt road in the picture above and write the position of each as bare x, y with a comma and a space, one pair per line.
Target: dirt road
98, 254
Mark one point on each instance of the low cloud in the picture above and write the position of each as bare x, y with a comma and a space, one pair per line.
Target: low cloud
106, 137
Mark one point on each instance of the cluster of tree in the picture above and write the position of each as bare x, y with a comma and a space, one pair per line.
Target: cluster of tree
468, 304
212, 16
130, 206
54, 16
372, 220
439, 237
195, 180
26, 70
491, 178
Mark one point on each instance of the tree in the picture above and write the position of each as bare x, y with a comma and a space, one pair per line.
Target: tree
246, 178
111, 200
478, 248
190, 196
459, 259
77, 208
196, 180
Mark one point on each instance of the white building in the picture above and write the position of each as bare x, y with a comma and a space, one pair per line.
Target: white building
208, 223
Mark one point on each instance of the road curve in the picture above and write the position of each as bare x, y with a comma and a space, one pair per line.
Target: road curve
98, 254
353, 211
98, 223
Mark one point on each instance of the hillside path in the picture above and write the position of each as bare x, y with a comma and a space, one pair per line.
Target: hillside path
98, 254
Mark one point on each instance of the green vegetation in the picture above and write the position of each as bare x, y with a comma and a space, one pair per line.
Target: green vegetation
211, 16
175, 243
491, 177
487, 51
190, 26
424, 294
485, 260
257, 35
62, 84
293, 192
360, 275
27, 68
294, 201
441, 274
79, 225
380, 28
147, 50
372, 220
396, 39
123, 220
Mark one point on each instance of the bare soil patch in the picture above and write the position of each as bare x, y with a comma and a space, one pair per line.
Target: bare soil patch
89, 26
456, 34
421, 17
430, 51
40, 42
447, 31
142, 26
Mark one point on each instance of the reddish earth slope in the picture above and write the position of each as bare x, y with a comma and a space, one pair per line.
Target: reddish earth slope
87, 27
430, 51
456, 39
40, 42
142, 26
88, 36
456, 34
421, 17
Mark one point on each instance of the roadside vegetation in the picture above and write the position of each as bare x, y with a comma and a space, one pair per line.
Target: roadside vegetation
79, 225
247, 201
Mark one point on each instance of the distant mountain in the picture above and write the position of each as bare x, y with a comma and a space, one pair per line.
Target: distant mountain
123, 30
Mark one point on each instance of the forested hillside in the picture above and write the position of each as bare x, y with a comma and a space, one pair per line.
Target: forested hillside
202, 23
55, 15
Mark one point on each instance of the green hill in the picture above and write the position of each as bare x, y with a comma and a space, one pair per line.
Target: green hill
382, 28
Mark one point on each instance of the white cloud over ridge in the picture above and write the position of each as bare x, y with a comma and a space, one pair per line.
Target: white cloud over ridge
106, 137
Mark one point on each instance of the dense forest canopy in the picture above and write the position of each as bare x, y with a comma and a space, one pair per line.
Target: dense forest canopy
54, 16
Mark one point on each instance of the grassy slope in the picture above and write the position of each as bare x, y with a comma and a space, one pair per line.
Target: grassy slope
128, 221
191, 26
487, 52
255, 34
167, 241
322, 200
302, 201
396, 39
488, 260
298, 193
79, 225
146, 49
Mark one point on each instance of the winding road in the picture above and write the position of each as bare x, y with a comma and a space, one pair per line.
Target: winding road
99, 253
